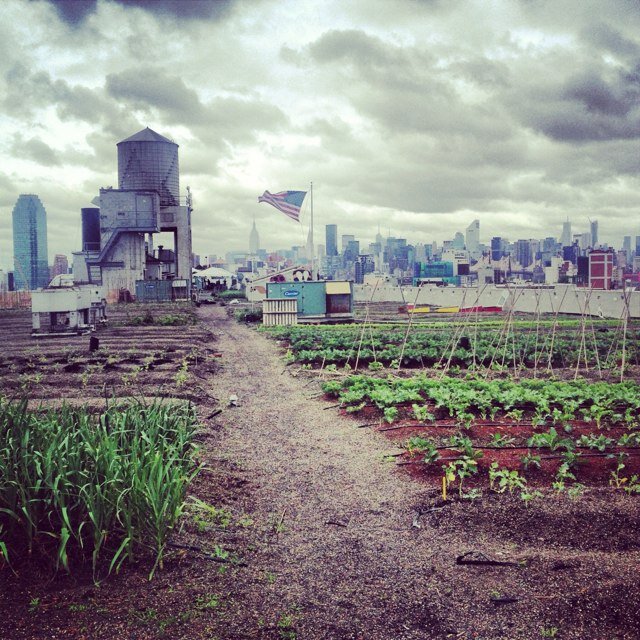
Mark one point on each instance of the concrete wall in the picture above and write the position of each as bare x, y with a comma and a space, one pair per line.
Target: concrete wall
127, 209
562, 298
130, 250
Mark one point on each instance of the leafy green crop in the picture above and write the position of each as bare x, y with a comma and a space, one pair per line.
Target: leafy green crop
431, 344
545, 401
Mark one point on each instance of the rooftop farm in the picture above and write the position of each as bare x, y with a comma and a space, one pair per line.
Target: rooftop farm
194, 477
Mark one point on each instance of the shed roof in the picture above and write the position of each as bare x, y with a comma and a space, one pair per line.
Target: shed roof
337, 287
212, 272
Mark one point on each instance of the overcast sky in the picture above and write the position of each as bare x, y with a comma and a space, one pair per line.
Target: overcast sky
418, 115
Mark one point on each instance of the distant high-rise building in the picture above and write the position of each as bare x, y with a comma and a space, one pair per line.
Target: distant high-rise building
31, 261
523, 253
571, 253
472, 237
332, 239
458, 241
626, 245
583, 240
593, 227
565, 238
346, 239
351, 251
638, 245
60, 265
364, 264
254, 240
496, 248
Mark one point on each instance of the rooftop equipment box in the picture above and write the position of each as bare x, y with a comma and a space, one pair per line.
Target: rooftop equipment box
316, 298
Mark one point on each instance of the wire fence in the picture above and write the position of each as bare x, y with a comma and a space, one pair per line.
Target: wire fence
15, 299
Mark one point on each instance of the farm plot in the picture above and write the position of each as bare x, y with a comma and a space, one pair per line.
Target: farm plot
497, 345
533, 404
86, 437
146, 350
509, 434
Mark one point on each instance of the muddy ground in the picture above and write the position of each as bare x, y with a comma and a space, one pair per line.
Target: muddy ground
323, 536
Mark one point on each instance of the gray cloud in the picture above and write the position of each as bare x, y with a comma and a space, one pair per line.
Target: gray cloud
28, 92
233, 119
152, 87
585, 107
7, 189
606, 38
75, 12
36, 150
419, 115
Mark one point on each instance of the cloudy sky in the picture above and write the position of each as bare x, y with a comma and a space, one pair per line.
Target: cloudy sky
416, 115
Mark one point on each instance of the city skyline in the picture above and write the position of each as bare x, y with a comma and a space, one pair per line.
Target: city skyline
421, 117
330, 238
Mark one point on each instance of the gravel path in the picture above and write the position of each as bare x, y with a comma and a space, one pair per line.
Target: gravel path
347, 554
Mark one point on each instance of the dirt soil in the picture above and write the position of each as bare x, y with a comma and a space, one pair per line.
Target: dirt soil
329, 539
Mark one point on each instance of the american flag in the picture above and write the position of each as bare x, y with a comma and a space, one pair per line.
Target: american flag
289, 202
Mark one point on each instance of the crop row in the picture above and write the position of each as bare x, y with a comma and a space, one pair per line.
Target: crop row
76, 486
481, 346
545, 401
462, 458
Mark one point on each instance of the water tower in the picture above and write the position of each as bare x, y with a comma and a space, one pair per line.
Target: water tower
149, 162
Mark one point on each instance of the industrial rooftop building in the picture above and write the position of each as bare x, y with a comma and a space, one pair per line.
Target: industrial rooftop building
117, 237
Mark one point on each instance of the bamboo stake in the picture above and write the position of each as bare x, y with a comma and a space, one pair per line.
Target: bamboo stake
553, 331
406, 335
624, 331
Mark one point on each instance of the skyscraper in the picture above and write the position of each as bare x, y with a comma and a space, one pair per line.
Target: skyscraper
254, 240
472, 236
332, 239
594, 233
31, 260
565, 238
523, 253
458, 241
497, 248
346, 239
60, 265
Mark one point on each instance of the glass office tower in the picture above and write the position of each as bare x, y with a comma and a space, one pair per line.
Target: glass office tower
31, 261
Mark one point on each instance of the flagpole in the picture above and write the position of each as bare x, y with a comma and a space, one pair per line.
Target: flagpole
313, 248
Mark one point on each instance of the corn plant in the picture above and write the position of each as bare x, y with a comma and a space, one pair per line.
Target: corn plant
106, 487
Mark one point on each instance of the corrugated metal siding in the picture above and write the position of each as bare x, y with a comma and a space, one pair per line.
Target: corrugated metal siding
280, 312
153, 290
